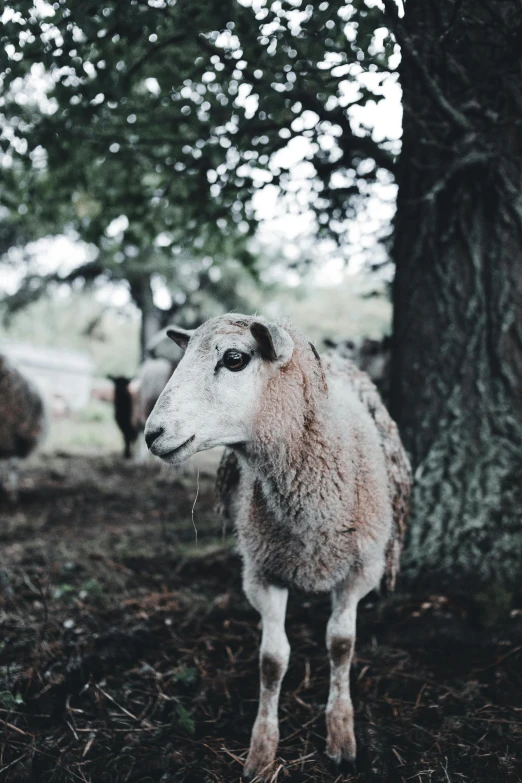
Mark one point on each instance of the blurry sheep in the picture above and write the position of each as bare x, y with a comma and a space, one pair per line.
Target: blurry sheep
134, 399
123, 412
371, 356
146, 387
23, 423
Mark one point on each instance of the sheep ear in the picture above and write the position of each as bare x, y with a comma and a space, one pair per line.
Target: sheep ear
179, 336
274, 343
160, 347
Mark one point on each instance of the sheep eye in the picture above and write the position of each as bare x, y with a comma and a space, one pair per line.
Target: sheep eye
235, 360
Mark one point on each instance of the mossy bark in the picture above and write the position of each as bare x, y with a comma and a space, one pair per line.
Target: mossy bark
457, 365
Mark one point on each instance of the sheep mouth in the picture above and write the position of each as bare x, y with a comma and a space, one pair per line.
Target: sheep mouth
174, 452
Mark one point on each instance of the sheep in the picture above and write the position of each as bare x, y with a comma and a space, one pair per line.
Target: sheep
345, 348
372, 356
146, 387
23, 423
123, 412
134, 398
319, 494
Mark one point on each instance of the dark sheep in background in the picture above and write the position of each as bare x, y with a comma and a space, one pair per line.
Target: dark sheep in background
123, 412
23, 423
134, 399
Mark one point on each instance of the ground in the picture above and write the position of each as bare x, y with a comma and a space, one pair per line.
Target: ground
128, 652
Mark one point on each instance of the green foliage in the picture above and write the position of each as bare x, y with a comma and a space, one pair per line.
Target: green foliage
169, 113
91, 589
185, 719
10, 701
187, 676
64, 592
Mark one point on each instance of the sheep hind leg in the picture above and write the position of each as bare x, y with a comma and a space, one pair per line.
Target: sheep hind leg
270, 602
340, 641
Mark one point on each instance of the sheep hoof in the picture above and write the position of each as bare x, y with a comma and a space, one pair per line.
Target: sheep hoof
341, 746
257, 768
249, 776
262, 752
252, 774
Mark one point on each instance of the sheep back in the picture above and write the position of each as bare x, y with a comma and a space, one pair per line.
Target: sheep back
23, 414
397, 464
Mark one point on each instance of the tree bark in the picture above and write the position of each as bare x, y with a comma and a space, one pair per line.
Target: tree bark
457, 353
141, 292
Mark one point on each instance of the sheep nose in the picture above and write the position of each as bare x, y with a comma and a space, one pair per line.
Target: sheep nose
152, 435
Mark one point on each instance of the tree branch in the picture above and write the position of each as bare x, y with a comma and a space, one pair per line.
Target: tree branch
456, 117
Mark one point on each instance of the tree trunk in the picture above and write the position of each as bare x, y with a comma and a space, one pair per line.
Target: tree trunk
457, 364
141, 292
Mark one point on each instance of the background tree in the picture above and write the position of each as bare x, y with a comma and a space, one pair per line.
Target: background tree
170, 114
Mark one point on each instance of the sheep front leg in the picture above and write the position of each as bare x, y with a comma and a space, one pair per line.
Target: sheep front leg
270, 602
340, 640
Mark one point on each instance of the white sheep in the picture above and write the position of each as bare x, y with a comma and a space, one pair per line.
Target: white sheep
23, 423
320, 498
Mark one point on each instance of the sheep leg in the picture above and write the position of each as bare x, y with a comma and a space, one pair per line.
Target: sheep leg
270, 602
12, 479
340, 641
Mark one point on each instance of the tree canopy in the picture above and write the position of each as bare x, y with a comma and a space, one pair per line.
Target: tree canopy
173, 114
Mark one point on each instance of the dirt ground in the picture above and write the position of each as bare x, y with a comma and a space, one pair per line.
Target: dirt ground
128, 652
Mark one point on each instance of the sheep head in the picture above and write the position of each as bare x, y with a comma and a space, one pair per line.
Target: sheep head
215, 392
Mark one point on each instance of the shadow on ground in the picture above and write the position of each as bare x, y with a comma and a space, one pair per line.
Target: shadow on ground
129, 654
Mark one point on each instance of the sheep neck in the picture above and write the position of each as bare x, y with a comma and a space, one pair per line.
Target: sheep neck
294, 463
295, 453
